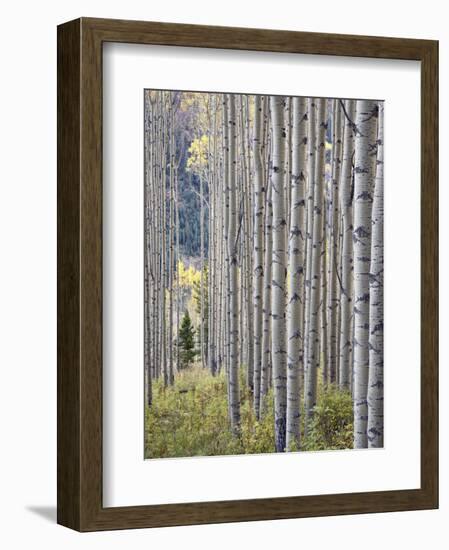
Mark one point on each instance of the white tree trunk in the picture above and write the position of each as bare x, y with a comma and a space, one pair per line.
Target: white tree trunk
347, 267
226, 192
234, 393
278, 290
258, 275
364, 168
296, 249
266, 313
323, 334
333, 304
171, 238
311, 153
375, 430
313, 358
265, 376
163, 245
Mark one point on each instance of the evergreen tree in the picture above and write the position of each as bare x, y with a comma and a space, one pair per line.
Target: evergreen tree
186, 341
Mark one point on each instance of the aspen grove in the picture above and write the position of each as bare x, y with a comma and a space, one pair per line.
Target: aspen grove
263, 257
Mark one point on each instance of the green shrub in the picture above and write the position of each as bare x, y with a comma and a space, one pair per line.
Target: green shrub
332, 424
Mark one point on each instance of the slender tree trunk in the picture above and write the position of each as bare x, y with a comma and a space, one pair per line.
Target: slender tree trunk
323, 296
313, 358
278, 290
340, 291
258, 272
163, 191
265, 375
178, 285
155, 175
234, 393
375, 429
266, 312
364, 170
210, 241
171, 238
201, 266
249, 291
347, 262
149, 358
213, 247
296, 268
333, 303
311, 154
220, 253
240, 198
249, 237
226, 195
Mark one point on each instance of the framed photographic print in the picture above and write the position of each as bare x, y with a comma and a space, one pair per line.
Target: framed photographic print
247, 315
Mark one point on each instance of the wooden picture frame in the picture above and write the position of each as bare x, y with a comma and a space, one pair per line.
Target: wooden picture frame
80, 504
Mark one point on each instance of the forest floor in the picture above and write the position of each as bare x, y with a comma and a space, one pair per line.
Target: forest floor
191, 419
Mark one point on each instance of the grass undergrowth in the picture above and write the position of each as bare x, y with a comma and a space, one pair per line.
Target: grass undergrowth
191, 419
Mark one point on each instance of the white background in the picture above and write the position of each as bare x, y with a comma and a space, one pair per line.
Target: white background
28, 274
129, 480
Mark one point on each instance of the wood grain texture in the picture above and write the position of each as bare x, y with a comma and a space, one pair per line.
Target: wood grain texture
80, 274
69, 435
429, 271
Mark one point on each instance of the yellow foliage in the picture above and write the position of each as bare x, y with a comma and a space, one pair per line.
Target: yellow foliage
188, 277
199, 151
